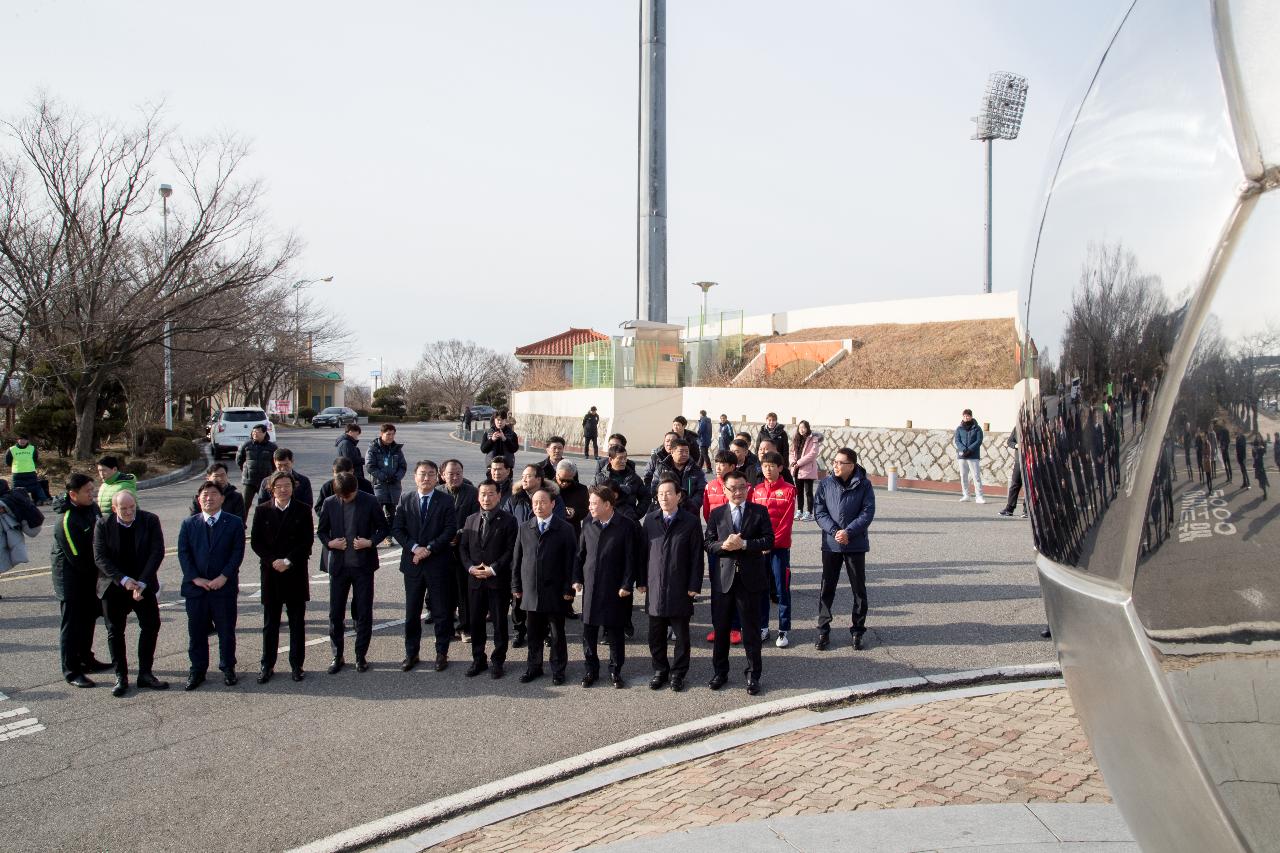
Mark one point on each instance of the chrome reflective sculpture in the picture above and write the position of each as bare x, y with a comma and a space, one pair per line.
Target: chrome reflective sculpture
1153, 322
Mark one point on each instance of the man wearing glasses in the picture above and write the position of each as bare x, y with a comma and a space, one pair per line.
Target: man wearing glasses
844, 507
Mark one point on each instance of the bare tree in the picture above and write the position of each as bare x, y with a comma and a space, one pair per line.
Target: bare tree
80, 251
359, 397
459, 370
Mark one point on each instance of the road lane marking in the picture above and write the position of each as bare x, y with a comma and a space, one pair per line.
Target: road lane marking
14, 713
22, 732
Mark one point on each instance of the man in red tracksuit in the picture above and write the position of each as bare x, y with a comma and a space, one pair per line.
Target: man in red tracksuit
713, 497
779, 498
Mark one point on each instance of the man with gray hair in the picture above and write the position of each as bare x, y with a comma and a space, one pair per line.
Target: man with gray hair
574, 494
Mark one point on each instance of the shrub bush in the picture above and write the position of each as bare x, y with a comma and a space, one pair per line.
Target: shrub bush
152, 437
306, 413
137, 468
178, 451
189, 429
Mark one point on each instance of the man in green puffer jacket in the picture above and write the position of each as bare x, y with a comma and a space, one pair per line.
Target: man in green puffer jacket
113, 480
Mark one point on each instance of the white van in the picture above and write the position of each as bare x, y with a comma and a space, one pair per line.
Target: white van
232, 426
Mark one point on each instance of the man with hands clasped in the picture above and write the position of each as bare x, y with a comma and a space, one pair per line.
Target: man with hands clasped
672, 539
485, 548
350, 526
609, 558
542, 583
282, 536
424, 527
210, 550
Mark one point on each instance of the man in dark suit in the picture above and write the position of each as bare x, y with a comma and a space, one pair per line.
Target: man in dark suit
739, 534
486, 546
283, 460
350, 527
210, 550
542, 583
232, 500
128, 548
465, 502
673, 542
283, 536
609, 558
424, 527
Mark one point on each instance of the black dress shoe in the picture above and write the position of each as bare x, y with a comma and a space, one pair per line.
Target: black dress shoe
149, 681
557, 678
298, 675
477, 667
229, 678
629, 631
495, 670
1046, 633
408, 663
857, 642
442, 662
95, 665
823, 641
717, 681
753, 686
362, 665
80, 681
572, 616
617, 681
658, 682
518, 642
335, 666
530, 675
121, 686
264, 674
677, 684
193, 681
588, 679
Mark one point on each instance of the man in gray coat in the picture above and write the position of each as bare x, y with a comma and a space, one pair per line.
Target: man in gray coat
542, 583
673, 545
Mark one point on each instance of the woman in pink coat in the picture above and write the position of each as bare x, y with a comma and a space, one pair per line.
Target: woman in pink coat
804, 467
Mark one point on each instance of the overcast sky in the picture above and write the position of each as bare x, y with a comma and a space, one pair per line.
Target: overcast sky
468, 168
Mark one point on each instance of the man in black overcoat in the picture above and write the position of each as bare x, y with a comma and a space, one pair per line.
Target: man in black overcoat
424, 527
282, 536
672, 539
542, 583
740, 534
465, 504
609, 558
350, 526
485, 545
128, 548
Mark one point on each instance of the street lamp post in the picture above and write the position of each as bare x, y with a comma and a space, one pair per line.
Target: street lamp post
706, 288
165, 192
297, 331
999, 118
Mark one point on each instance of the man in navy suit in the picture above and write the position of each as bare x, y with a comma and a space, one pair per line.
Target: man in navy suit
350, 526
740, 534
424, 527
210, 550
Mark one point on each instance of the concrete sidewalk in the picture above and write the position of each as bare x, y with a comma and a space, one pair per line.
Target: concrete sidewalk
913, 773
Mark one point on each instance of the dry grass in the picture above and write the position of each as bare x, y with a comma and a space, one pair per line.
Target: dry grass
543, 376
956, 354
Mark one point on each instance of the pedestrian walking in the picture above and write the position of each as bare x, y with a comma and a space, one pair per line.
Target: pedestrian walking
704, 441
128, 548
1259, 445
778, 497
256, 461
968, 443
805, 447
210, 551
845, 506
283, 536
385, 466
1242, 452
590, 429
424, 527
672, 539
75, 579
542, 584
350, 527
486, 548
610, 557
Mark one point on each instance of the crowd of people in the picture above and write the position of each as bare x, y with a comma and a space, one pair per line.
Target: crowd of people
496, 562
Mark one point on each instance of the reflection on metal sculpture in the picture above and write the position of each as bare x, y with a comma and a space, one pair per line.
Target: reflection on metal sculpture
1154, 323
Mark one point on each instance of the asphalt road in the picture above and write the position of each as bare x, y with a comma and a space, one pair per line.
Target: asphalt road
952, 587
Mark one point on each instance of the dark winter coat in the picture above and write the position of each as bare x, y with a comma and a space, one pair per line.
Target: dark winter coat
148, 552
542, 566
725, 435
847, 506
633, 497
673, 564
520, 505
590, 425
232, 502
349, 448
287, 535
385, 466
609, 559
256, 461
506, 447
692, 480
778, 436
968, 440
74, 572
495, 550
704, 431
576, 499
301, 490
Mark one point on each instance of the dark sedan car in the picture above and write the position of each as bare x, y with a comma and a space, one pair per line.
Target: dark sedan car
334, 416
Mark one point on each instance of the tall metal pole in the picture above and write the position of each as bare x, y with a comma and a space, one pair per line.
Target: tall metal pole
986, 284
165, 192
651, 287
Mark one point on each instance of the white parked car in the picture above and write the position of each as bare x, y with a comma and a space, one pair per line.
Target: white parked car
232, 426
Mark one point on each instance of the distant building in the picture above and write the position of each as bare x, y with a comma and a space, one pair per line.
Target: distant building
557, 350
322, 386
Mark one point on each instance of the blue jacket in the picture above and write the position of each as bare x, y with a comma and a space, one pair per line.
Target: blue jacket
850, 507
726, 435
969, 441
704, 431
205, 553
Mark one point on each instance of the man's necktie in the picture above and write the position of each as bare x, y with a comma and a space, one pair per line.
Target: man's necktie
423, 502
542, 527
737, 519
484, 525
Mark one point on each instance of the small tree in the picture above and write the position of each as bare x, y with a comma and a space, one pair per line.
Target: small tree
389, 400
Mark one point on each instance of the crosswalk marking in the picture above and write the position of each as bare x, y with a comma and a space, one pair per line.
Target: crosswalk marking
14, 713
18, 728
27, 730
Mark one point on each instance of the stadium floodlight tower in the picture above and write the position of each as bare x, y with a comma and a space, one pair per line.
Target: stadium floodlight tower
999, 118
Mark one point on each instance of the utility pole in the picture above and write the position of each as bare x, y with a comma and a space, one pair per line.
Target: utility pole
651, 249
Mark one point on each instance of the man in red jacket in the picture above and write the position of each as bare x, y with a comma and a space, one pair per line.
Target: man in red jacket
779, 498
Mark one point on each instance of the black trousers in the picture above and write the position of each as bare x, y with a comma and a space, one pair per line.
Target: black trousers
704, 458
518, 618
439, 582
462, 592
1015, 486
358, 583
617, 647
117, 604
679, 625
297, 610
539, 625
855, 566
589, 444
723, 606
80, 610
488, 602
220, 607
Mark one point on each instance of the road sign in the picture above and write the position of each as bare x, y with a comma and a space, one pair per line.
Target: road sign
374, 374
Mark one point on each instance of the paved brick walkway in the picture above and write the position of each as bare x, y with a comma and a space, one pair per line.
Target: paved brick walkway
1018, 747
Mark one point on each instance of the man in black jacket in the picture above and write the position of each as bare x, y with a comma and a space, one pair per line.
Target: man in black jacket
542, 583
351, 526
424, 527
555, 452
283, 460
282, 537
620, 475
739, 534
486, 547
340, 465
610, 554
673, 542
748, 463
465, 502
75, 578
500, 473
657, 459
572, 493
681, 467
500, 440
590, 431
128, 548
348, 447
232, 500
773, 431
255, 460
